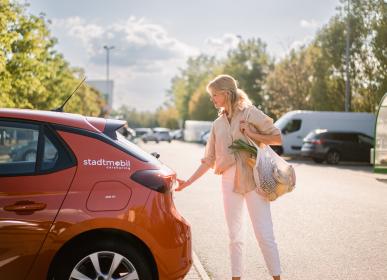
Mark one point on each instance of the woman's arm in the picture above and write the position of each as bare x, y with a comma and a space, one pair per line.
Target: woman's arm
203, 168
260, 138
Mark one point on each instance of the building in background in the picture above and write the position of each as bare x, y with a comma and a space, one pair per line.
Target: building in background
106, 88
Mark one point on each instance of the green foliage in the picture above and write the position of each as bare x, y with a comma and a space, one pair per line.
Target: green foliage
189, 80
136, 119
289, 84
240, 145
32, 74
249, 63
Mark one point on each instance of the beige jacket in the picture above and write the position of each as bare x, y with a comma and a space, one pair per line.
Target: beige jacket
217, 153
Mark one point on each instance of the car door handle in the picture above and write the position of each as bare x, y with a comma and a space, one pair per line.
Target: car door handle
25, 206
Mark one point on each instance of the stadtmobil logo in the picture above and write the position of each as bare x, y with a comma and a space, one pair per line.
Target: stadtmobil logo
109, 164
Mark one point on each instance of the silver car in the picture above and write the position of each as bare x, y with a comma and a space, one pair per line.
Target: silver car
157, 135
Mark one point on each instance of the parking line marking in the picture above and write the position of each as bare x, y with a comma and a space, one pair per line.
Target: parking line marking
199, 267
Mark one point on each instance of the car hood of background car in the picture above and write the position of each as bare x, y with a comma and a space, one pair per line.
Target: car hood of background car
68, 119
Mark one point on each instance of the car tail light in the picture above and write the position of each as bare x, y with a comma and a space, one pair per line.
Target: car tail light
155, 179
318, 141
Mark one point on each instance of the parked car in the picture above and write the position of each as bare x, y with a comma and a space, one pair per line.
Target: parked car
204, 137
127, 132
158, 134
102, 208
295, 125
335, 146
177, 134
140, 131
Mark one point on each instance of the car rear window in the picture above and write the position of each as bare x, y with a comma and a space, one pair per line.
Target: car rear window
313, 136
134, 149
346, 137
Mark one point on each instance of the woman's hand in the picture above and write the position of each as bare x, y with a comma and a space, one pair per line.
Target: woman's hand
244, 127
182, 185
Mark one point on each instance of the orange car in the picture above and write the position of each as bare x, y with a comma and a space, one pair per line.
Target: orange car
79, 201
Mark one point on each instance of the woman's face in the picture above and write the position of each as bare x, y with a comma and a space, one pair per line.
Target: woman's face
218, 97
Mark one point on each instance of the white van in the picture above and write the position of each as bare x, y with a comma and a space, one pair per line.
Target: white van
295, 125
194, 129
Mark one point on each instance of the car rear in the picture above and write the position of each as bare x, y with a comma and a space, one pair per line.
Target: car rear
148, 214
119, 205
314, 145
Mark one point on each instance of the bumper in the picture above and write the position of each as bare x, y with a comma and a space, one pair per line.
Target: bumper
170, 237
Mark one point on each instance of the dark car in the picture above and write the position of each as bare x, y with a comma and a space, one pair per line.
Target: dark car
334, 146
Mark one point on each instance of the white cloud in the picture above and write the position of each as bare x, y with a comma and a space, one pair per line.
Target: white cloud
312, 24
142, 64
300, 43
220, 46
137, 42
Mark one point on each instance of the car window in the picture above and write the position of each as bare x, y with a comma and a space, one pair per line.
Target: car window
50, 155
365, 139
134, 149
310, 136
292, 126
56, 155
18, 147
346, 137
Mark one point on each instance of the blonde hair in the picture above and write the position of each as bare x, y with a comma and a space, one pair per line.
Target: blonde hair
235, 97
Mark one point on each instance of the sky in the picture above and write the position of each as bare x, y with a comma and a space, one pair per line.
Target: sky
153, 39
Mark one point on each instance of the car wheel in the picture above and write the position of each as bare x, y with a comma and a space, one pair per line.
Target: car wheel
333, 157
104, 259
30, 156
318, 160
157, 141
144, 140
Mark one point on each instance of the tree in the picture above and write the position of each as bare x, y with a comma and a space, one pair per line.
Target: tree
32, 74
168, 117
187, 82
288, 85
249, 63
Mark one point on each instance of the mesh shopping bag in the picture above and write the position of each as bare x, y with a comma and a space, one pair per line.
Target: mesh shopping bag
272, 174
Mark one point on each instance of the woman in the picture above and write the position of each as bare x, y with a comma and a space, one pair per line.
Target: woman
237, 176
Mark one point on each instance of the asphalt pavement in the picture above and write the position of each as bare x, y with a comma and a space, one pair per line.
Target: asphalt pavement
333, 226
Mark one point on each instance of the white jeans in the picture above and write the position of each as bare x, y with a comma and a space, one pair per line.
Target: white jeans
260, 216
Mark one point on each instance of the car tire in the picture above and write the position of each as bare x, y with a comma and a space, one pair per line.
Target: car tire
85, 259
333, 157
318, 160
144, 141
157, 141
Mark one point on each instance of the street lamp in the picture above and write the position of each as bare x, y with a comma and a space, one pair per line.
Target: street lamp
347, 104
108, 48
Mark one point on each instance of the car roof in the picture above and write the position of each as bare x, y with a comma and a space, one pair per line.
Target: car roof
61, 118
160, 129
320, 131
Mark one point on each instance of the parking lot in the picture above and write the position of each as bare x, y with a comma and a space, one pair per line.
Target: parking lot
333, 226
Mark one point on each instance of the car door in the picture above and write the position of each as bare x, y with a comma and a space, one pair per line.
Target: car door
292, 136
31, 191
350, 147
365, 144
